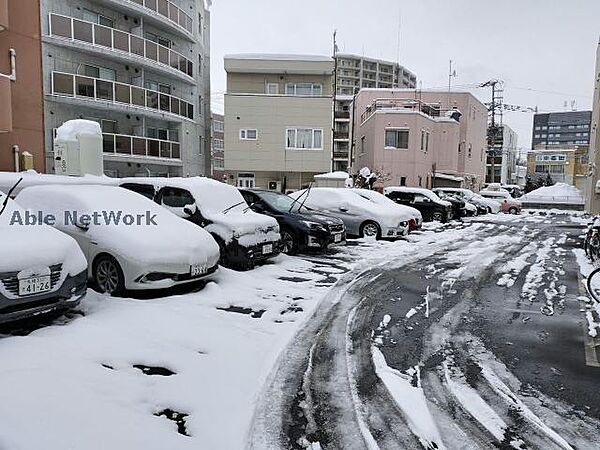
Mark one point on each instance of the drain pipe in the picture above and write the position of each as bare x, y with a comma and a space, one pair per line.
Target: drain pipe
13, 65
16, 153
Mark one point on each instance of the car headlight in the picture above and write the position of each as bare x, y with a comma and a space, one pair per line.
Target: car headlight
313, 225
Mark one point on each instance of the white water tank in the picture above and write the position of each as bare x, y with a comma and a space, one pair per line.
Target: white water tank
78, 148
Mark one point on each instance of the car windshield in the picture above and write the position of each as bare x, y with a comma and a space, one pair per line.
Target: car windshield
281, 202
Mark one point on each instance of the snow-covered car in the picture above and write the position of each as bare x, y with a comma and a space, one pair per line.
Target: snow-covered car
41, 269
427, 202
130, 242
362, 217
244, 237
484, 205
507, 203
416, 218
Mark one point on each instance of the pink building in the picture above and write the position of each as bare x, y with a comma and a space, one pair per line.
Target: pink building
419, 139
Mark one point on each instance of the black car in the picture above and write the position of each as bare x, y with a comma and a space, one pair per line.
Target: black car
458, 206
431, 207
301, 228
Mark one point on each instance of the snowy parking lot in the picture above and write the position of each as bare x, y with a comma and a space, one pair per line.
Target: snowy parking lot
273, 358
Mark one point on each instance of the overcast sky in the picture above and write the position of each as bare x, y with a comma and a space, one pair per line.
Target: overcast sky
544, 50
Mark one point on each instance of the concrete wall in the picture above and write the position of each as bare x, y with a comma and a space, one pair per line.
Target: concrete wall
26, 101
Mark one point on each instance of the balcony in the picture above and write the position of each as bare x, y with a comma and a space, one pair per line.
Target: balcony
123, 45
341, 135
140, 147
5, 105
158, 12
342, 114
3, 15
120, 94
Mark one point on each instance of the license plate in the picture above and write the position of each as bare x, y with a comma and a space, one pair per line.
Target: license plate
337, 237
35, 285
267, 249
197, 270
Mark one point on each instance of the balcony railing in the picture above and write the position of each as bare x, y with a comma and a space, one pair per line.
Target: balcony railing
169, 10
124, 145
402, 104
340, 154
342, 114
106, 37
79, 86
341, 135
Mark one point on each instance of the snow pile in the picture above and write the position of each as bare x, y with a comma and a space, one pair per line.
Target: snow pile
559, 193
72, 129
332, 176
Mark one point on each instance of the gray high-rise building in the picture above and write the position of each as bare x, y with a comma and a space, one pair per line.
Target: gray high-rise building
355, 73
141, 68
561, 129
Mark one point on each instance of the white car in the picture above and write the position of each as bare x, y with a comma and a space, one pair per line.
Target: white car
41, 269
362, 217
415, 218
129, 241
245, 237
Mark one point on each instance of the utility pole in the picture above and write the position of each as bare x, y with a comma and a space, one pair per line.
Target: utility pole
335, 75
451, 73
495, 121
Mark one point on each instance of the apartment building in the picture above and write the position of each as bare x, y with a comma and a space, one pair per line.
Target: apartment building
21, 97
354, 73
561, 129
563, 164
427, 139
218, 147
141, 68
502, 159
278, 119
592, 191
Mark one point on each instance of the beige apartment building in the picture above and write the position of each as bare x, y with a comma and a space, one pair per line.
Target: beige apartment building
278, 119
427, 139
592, 191
564, 164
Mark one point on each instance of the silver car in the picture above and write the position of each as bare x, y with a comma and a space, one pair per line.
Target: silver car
129, 241
361, 216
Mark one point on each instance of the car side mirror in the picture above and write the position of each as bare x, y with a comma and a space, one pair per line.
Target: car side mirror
190, 210
257, 207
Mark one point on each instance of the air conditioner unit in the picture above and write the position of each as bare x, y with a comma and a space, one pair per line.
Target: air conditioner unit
275, 186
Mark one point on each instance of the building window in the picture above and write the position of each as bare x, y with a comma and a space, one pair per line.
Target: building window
108, 126
396, 139
218, 144
158, 39
218, 126
402, 181
470, 151
537, 128
272, 88
304, 138
537, 136
424, 141
91, 16
304, 89
248, 135
219, 164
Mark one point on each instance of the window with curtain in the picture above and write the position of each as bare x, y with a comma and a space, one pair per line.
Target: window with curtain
304, 138
397, 139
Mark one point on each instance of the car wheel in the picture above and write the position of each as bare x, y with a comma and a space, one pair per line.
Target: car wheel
370, 230
290, 243
512, 210
437, 217
108, 275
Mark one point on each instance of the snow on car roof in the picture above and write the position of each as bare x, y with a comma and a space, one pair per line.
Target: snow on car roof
333, 175
33, 178
165, 238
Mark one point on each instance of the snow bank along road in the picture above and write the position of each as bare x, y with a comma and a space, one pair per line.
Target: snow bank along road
474, 338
